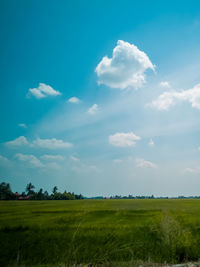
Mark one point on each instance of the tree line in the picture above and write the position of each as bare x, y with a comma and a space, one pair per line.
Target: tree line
30, 194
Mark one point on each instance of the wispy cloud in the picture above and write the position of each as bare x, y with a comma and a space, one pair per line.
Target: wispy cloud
30, 159
117, 161
22, 125
52, 157
123, 139
192, 170
4, 160
43, 91
74, 158
74, 100
51, 143
165, 84
125, 69
141, 163
151, 142
93, 109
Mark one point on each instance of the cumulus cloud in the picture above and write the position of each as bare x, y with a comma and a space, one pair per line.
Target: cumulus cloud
30, 159
125, 69
123, 139
169, 99
151, 142
43, 91
41, 143
74, 100
20, 141
141, 163
165, 84
51, 143
22, 125
93, 109
52, 157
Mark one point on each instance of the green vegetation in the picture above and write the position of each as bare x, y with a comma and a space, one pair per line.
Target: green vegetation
99, 231
7, 194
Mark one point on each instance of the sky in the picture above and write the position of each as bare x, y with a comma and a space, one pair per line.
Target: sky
100, 97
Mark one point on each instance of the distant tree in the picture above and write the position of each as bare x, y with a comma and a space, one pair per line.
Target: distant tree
54, 190
46, 195
40, 194
29, 189
5, 191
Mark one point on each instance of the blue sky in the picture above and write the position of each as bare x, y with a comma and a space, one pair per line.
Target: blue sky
101, 97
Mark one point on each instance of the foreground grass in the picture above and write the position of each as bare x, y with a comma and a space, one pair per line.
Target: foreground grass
99, 231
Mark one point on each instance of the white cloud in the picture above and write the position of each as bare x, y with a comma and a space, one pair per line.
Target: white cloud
51, 143
93, 168
84, 168
18, 141
74, 100
198, 148
151, 142
93, 109
43, 90
117, 160
42, 143
74, 158
4, 160
192, 170
30, 159
141, 163
52, 157
125, 69
53, 166
123, 139
169, 99
165, 84
23, 125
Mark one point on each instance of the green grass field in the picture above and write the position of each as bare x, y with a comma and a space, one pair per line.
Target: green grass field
99, 231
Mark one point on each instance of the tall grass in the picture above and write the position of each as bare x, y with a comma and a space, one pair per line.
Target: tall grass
99, 231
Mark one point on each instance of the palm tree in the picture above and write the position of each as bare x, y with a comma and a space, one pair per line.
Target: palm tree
55, 189
29, 189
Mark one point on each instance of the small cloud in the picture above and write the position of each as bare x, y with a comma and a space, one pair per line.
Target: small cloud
165, 84
52, 166
151, 142
141, 163
43, 91
198, 148
117, 160
93, 109
74, 158
52, 157
74, 100
4, 160
192, 170
20, 141
169, 99
123, 139
30, 159
126, 67
41, 143
93, 168
22, 125
51, 143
